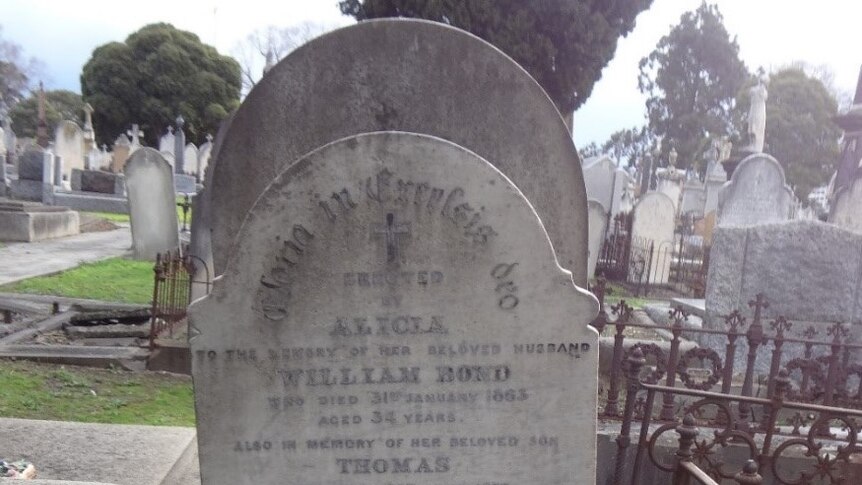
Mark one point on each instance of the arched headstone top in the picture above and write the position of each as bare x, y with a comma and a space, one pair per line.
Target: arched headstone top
402, 75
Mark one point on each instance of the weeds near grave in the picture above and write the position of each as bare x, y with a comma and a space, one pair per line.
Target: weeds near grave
116, 279
122, 218
69, 393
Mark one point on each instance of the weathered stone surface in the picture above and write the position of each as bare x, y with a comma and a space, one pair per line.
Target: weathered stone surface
847, 209
69, 145
97, 181
31, 164
607, 184
807, 270
36, 225
402, 75
430, 270
152, 204
102, 453
652, 229
184, 184
598, 223
756, 193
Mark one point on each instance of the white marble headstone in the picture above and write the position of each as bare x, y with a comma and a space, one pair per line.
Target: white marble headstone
653, 227
152, 204
756, 194
69, 144
393, 312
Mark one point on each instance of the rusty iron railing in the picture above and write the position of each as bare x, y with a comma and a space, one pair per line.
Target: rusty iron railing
822, 382
681, 263
613, 261
174, 272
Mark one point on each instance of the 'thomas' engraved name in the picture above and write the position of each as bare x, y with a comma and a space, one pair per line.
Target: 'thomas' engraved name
442, 374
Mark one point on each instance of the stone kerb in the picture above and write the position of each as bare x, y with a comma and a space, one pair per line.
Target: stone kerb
408, 263
398, 74
847, 209
152, 203
756, 193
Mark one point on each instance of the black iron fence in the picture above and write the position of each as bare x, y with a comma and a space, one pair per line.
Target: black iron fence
811, 394
681, 263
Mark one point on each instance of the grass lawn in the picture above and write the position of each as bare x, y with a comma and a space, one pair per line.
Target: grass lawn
618, 293
122, 218
115, 279
69, 393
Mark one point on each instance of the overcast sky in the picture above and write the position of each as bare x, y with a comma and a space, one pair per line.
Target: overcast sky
771, 33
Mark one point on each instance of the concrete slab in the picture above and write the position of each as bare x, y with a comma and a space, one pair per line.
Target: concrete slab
10, 481
20, 261
131, 358
693, 306
101, 453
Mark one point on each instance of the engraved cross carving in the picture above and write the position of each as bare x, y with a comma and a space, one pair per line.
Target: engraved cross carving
390, 232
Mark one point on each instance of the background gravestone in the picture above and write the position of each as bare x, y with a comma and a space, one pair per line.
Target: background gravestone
653, 227
401, 75
69, 144
847, 209
607, 184
598, 223
756, 193
152, 204
415, 328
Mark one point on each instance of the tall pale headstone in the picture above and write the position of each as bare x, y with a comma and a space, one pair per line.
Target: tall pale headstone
152, 204
400, 74
756, 193
120, 153
190, 158
652, 229
847, 208
69, 144
598, 224
393, 312
167, 141
608, 184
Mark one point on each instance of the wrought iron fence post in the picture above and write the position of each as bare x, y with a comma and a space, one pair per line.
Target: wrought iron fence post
648, 269
755, 338
623, 312
748, 475
780, 324
734, 321
838, 332
687, 434
636, 362
677, 316
157, 269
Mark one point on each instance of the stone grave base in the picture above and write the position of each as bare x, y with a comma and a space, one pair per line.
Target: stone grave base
102, 453
26, 190
92, 202
97, 181
28, 222
11, 481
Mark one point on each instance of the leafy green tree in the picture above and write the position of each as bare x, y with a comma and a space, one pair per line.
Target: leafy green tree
692, 79
629, 145
59, 105
800, 133
160, 72
563, 44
